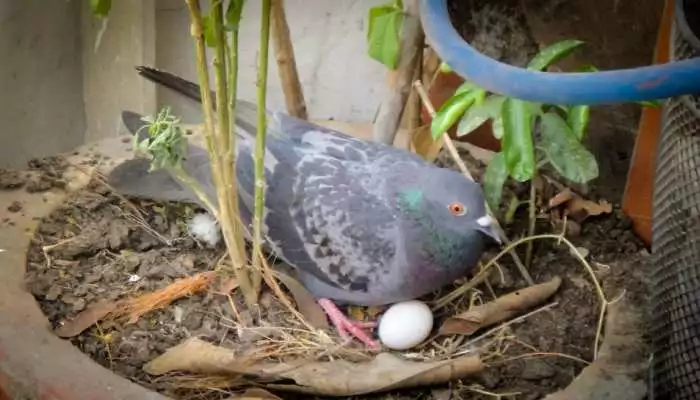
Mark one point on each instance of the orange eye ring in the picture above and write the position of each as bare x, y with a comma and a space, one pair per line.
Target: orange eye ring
456, 208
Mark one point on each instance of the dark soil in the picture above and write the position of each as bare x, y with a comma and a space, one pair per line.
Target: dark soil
692, 15
110, 257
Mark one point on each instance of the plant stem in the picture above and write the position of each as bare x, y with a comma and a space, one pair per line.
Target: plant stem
228, 205
260, 142
187, 180
531, 230
286, 63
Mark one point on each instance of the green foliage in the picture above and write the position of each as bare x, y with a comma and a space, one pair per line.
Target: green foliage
383, 33
166, 144
234, 12
101, 8
444, 68
453, 108
517, 144
531, 134
564, 151
551, 54
494, 178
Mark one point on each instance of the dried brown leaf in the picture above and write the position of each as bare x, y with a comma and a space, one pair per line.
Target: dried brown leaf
423, 144
501, 309
258, 394
308, 307
579, 209
197, 356
324, 378
561, 198
85, 319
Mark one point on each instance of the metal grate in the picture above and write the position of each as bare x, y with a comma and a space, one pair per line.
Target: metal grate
675, 283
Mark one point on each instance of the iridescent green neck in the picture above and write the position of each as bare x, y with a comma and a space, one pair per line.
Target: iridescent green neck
437, 245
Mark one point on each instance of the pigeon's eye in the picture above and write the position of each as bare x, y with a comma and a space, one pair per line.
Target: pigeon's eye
457, 208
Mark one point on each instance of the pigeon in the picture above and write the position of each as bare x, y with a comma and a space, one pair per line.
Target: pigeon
360, 222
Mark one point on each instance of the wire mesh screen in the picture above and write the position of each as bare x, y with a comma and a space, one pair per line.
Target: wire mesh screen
675, 283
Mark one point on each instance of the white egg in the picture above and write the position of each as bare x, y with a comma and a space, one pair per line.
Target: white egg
405, 325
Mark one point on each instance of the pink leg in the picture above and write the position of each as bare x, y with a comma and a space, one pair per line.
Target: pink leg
346, 327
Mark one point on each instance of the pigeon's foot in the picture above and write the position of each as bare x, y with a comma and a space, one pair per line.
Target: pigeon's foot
347, 328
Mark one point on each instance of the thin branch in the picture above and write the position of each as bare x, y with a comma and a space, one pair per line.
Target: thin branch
260, 142
286, 63
531, 228
393, 105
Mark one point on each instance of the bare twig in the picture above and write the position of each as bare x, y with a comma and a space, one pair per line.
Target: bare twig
219, 141
393, 104
286, 63
458, 160
260, 145
531, 228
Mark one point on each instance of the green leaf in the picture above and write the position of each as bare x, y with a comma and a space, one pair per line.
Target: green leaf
563, 150
553, 53
577, 119
450, 111
444, 68
494, 178
383, 40
476, 115
208, 31
101, 8
587, 68
651, 103
464, 87
497, 127
234, 11
517, 145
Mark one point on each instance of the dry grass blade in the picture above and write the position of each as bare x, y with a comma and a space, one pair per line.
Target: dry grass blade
501, 309
135, 307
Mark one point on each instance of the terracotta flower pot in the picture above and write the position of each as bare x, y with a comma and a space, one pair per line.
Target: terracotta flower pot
441, 90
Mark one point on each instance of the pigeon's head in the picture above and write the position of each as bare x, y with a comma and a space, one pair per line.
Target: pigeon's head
446, 210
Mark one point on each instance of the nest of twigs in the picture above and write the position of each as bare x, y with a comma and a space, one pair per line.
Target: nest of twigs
285, 344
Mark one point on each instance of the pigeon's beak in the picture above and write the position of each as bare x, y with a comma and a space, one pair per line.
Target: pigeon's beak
487, 226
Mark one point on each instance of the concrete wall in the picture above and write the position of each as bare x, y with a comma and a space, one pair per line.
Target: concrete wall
111, 49
329, 37
58, 88
41, 79
66, 75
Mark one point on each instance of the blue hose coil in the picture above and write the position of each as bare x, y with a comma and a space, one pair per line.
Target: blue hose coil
605, 87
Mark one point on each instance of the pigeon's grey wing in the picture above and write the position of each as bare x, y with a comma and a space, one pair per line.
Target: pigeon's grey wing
326, 214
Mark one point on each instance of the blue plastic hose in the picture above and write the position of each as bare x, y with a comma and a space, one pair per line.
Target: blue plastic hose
624, 85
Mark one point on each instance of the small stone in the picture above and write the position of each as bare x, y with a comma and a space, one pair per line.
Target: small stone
192, 321
79, 305
14, 207
536, 369
92, 278
81, 290
53, 293
117, 235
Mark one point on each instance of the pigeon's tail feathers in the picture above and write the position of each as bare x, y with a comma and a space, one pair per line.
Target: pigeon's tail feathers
171, 81
246, 112
135, 125
132, 178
